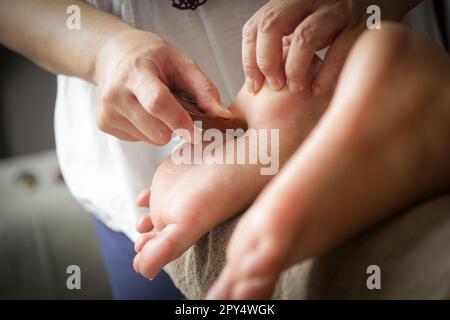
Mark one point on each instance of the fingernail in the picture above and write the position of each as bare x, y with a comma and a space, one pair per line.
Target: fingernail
163, 132
222, 111
274, 84
153, 276
316, 91
228, 114
185, 135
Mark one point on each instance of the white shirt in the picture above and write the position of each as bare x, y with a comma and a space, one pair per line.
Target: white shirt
106, 174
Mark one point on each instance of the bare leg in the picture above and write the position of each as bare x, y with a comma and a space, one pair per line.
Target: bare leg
383, 144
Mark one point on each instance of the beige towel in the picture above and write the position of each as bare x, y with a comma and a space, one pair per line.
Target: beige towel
411, 249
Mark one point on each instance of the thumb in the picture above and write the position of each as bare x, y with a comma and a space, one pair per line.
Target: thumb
197, 85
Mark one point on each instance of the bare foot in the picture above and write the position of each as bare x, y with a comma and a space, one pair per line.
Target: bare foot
382, 145
188, 200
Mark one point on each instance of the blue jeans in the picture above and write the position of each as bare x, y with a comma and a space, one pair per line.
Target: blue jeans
118, 254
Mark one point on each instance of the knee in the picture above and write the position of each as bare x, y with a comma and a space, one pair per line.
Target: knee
391, 34
396, 55
376, 59
385, 47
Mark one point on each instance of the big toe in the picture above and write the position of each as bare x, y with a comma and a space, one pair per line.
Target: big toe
164, 247
249, 275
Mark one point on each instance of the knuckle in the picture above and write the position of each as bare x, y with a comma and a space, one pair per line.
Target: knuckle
266, 64
305, 36
145, 59
190, 63
248, 32
293, 72
161, 48
137, 62
268, 21
156, 100
180, 121
109, 96
102, 124
248, 63
106, 115
210, 88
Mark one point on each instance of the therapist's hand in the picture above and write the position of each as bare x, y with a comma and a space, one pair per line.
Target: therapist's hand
134, 71
308, 26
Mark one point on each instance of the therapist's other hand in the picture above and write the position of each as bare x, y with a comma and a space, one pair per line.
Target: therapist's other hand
307, 26
135, 71
339, 184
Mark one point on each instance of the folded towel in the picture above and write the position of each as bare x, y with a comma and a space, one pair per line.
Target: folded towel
411, 250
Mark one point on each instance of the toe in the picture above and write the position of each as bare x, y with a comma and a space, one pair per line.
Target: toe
166, 246
257, 288
143, 199
222, 287
255, 258
140, 243
253, 277
144, 224
136, 262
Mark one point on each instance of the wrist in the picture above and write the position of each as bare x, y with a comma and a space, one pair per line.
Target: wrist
107, 52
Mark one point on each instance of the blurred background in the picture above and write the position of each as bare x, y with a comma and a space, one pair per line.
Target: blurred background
43, 229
